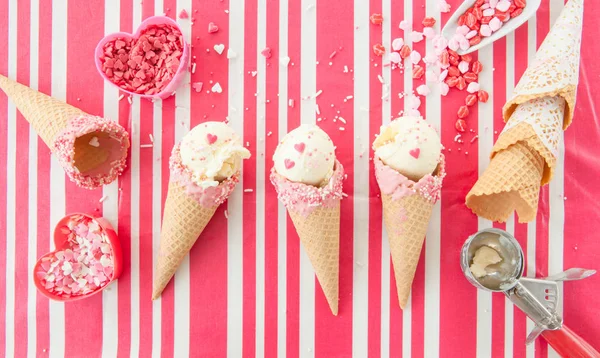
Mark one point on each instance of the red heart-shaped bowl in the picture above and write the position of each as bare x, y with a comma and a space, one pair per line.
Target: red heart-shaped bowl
183, 62
61, 242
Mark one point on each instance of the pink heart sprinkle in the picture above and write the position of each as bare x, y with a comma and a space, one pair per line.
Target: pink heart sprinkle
211, 138
266, 52
212, 28
197, 86
289, 164
415, 153
300, 147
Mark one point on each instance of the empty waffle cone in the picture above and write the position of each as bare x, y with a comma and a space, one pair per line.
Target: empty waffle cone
406, 222
511, 182
184, 220
319, 234
92, 150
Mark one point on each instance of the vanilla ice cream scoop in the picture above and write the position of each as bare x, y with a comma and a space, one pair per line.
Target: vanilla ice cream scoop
410, 146
212, 151
484, 257
305, 155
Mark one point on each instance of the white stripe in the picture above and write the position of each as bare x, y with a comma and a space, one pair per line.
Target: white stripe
181, 315
260, 177
235, 209
556, 219
432, 243
531, 243
57, 175
281, 211
33, 185
308, 84
110, 206
484, 142
508, 306
11, 160
360, 294
408, 88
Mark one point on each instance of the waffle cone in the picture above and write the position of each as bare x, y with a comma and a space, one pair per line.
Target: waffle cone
319, 233
406, 221
47, 115
184, 219
511, 182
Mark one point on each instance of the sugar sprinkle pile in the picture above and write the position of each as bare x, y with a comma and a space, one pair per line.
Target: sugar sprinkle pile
84, 266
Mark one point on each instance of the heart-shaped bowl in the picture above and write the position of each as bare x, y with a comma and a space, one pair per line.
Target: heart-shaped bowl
183, 62
61, 242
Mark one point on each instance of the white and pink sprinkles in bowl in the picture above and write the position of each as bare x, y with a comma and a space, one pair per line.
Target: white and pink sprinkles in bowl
84, 265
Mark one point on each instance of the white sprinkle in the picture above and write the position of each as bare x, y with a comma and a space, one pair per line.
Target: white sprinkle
146, 145
310, 7
342, 129
380, 78
248, 190
565, 198
318, 93
121, 97
317, 109
194, 67
269, 134
344, 195
319, 119
103, 198
342, 120
94, 142
291, 103
474, 138
333, 54
457, 137
284, 61
349, 97
151, 137
129, 100
247, 144
345, 69
362, 108
226, 214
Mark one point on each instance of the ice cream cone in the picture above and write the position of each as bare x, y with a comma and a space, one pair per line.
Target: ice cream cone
67, 131
319, 234
184, 220
188, 209
315, 212
407, 208
406, 223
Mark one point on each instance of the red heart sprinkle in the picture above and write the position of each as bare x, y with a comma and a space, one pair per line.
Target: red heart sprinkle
266, 52
212, 28
289, 164
300, 147
211, 138
415, 153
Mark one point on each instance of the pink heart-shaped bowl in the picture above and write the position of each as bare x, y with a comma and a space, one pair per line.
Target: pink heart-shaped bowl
61, 243
183, 62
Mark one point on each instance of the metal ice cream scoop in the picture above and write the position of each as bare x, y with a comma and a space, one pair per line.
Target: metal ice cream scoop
537, 298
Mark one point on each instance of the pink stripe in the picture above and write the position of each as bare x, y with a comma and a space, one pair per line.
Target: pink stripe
293, 242
43, 184
271, 204
124, 224
249, 181
520, 65
3, 179
452, 290
22, 189
375, 227
83, 319
333, 335
498, 98
581, 188
208, 258
395, 335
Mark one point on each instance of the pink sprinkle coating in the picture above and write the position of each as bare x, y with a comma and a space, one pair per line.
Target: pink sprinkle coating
304, 198
84, 266
145, 65
393, 183
207, 197
64, 147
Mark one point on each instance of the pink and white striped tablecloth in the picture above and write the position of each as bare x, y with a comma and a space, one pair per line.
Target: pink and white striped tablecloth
247, 288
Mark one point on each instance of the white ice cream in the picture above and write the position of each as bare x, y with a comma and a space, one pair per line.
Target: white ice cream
305, 155
213, 152
409, 145
484, 257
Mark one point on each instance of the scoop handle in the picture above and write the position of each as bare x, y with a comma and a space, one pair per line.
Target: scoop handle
568, 344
